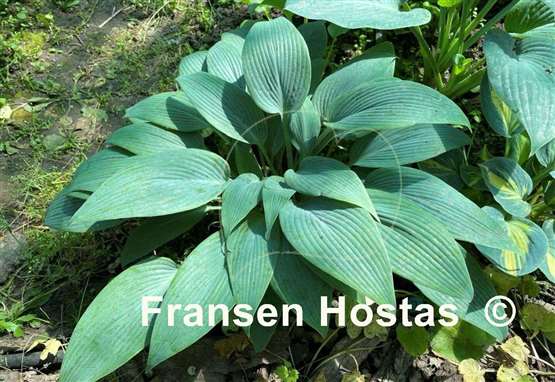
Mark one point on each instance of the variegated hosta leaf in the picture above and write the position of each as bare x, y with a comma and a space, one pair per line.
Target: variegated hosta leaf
290, 269
499, 115
109, 334
320, 176
377, 62
156, 185
530, 14
240, 197
473, 311
521, 72
143, 138
193, 63
548, 265
224, 60
390, 104
201, 280
275, 196
226, 107
529, 239
251, 259
304, 128
155, 232
413, 144
344, 242
419, 246
171, 110
276, 62
462, 218
354, 14
509, 184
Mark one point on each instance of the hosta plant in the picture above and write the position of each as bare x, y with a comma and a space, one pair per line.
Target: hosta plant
518, 101
309, 181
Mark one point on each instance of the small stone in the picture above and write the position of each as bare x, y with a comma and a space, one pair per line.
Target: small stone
11, 249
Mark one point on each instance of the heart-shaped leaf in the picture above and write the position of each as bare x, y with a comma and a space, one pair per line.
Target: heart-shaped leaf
224, 60
143, 138
521, 72
418, 246
354, 14
509, 184
392, 103
304, 128
251, 260
105, 339
164, 184
530, 240
398, 147
377, 62
171, 110
276, 62
343, 241
201, 280
226, 107
462, 218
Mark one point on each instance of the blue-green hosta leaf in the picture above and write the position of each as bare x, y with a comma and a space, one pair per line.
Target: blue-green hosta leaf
250, 260
143, 138
319, 176
509, 184
392, 103
343, 241
546, 155
155, 232
522, 74
419, 246
499, 115
473, 311
446, 167
316, 37
354, 14
530, 14
100, 167
548, 265
462, 218
318, 66
61, 210
394, 148
226, 107
275, 196
193, 63
110, 332
305, 128
224, 60
202, 279
163, 184
292, 268
240, 197
171, 110
377, 62
276, 62
259, 335
528, 238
